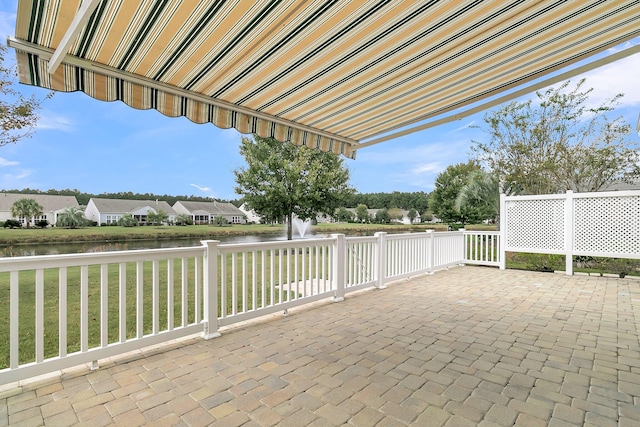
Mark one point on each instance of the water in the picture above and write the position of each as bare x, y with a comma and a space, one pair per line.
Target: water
301, 226
84, 247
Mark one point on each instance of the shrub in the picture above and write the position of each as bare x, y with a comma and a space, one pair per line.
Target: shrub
12, 223
42, 223
219, 220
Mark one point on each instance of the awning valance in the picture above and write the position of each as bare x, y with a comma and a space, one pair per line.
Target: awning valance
326, 74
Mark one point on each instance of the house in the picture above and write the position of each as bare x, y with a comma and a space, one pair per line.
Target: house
205, 212
51, 204
250, 214
109, 211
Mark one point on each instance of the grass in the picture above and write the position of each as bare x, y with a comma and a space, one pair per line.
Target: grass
117, 233
235, 297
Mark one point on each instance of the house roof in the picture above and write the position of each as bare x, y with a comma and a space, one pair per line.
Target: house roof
48, 202
212, 208
126, 206
330, 74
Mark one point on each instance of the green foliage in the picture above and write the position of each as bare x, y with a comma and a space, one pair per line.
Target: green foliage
12, 223
281, 180
26, 208
71, 217
362, 214
418, 200
157, 218
42, 223
18, 114
183, 219
558, 144
412, 214
383, 217
344, 215
219, 220
482, 194
127, 220
448, 185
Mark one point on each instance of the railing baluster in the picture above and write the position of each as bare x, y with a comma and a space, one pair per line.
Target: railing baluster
223, 285
185, 292
122, 286
39, 332
155, 317
234, 283
62, 311
84, 308
198, 287
170, 296
104, 305
139, 299
14, 319
254, 280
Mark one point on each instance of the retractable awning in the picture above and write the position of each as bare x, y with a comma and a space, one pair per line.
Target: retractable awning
330, 74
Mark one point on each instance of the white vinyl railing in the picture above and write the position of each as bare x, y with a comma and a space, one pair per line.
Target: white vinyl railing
482, 248
59, 311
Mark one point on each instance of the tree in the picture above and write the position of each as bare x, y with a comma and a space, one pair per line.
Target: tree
219, 220
157, 218
281, 180
481, 192
382, 216
362, 214
127, 220
27, 209
71, 217
18, 114
395, 214
183, 219
558, 144
447, 186
412, 214
344, 215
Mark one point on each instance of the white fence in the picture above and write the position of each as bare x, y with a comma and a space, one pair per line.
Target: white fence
60, 311
605, 224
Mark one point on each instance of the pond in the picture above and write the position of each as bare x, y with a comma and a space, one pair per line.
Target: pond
84, 247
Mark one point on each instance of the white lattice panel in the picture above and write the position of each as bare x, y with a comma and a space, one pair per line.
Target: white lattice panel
607, 225
535, 224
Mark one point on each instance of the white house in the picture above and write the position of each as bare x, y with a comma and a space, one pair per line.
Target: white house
109, 211
51, 204
205, 212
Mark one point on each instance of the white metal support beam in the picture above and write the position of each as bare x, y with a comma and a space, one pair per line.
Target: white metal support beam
510, 96
79, 21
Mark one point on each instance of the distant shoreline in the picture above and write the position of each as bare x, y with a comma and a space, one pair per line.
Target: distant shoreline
124, 234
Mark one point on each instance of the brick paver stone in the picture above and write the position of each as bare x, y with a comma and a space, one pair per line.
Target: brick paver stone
466, 346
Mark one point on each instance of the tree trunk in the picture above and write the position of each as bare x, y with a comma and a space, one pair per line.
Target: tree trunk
290, 226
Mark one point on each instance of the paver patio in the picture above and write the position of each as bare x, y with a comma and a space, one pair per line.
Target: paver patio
467, 346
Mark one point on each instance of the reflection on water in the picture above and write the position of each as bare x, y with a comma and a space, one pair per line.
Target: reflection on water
74, 248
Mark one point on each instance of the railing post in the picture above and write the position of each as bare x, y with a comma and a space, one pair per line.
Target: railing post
210, 289
464, 253
381, 259
502, 238
432, 251
339, 266
568, 232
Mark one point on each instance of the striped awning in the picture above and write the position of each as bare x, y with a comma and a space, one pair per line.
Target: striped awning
329, 74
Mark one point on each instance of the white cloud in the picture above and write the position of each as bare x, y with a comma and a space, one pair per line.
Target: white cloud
51, 121
200, 187
611, 79
428, 168
5, 162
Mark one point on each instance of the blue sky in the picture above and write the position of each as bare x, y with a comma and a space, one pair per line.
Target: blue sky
98, 147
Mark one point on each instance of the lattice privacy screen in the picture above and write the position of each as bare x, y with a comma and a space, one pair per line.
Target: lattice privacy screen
535, 224
607, 225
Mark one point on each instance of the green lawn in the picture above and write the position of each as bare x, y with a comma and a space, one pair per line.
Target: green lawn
117, 233
234, 297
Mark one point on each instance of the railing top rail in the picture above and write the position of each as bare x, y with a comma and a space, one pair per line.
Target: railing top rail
284, 244
93, 258
483, 232
361, 239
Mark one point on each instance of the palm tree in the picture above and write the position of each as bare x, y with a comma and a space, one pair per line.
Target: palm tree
482, 192
183, 219
27, 209
71, 217
127, 220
